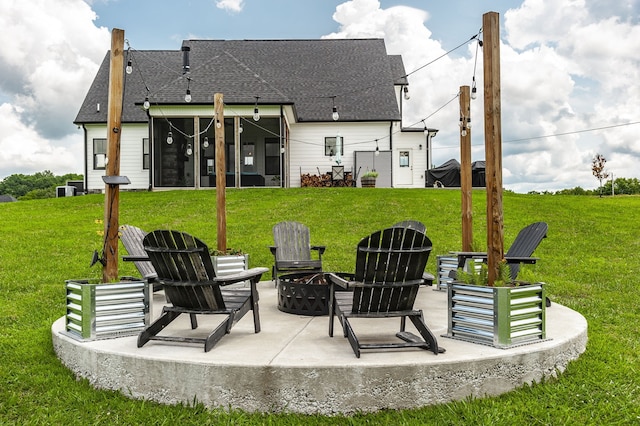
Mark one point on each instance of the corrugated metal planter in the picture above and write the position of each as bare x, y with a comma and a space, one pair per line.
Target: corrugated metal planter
497, 316
230, 264
106, 310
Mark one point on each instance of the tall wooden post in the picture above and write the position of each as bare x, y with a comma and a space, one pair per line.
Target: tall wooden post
221, 172
114, 123
465, 169
493, 142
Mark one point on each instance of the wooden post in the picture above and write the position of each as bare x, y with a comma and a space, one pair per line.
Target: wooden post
221, 172
465, 169
493, 142
114, 123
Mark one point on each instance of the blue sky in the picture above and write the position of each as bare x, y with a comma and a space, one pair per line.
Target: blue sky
569, 67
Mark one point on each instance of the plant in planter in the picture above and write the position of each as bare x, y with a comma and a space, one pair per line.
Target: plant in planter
507, 314
368, 179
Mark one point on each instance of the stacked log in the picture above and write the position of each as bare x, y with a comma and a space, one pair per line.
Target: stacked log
324, 180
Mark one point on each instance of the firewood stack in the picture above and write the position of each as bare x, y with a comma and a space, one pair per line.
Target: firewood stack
324, 180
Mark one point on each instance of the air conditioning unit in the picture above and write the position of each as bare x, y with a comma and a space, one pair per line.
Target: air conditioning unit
65, 191
78, 185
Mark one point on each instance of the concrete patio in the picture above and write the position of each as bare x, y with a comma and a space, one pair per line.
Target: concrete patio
292, 365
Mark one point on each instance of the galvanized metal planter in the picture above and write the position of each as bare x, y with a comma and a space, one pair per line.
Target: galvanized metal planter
497, 316
106, 310
231, 264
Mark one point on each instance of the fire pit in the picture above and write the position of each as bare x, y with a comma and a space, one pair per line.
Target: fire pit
304, 294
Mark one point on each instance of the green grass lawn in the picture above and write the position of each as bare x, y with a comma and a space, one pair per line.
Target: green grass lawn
590, 260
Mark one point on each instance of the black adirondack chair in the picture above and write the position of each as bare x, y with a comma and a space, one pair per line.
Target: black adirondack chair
520, 251
292, 250
413, 224
389, 268
185, 269
131, 238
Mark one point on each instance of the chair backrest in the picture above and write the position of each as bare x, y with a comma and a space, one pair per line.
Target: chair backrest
292, 241
526, 243
413, 224
389, 265
185, 268
131, 237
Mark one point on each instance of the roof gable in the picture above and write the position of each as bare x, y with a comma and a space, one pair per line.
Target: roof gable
356, 74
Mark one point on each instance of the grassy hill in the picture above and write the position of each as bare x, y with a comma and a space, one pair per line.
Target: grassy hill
590, 260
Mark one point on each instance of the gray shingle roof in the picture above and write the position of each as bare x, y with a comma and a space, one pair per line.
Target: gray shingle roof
303, 73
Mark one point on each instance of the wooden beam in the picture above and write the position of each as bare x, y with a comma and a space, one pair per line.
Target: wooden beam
221, 172
114, 123
493, 142
465, 169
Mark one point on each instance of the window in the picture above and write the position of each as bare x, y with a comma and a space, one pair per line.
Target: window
404, 158
99, 154
330, 146
271, 156
146, 158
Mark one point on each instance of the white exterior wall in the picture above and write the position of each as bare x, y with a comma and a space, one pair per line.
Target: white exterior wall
306, 150
130, 156
410, 141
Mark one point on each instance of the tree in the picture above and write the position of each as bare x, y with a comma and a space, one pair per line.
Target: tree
38, 185
597, 168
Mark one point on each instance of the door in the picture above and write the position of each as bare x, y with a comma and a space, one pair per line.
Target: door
404, 170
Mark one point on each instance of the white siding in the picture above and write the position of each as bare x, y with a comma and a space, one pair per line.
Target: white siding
130, 156
306, 151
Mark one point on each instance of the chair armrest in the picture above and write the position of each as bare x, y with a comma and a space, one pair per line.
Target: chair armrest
252, 274
273, 249
131, 258
428, 278
320, 249
514, 259
340, 281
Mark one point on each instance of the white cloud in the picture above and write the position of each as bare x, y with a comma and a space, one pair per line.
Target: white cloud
47, 62
566, 67
230, 5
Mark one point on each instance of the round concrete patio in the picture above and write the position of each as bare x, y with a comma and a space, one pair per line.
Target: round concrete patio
292, 365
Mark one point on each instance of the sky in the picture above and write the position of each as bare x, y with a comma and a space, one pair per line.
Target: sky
570, 72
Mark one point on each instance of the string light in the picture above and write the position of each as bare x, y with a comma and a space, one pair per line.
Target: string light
187, 96
189, 150
205, 142
377, 149
335, 116
406, 93
129, 68
169, 138
256, 113
146, 105
474, 90
240, 129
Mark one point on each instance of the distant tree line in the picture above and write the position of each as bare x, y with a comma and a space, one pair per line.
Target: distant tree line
39, 185
622, 186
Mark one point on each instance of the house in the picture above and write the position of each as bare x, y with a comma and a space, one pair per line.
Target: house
291, 107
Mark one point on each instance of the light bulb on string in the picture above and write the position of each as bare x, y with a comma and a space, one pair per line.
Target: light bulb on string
189, 150
169, 138
474, 90
146, 105
187, 96
377, 149
129, 68
205, 142
335, 114
240, 129
256, 113
406, 93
